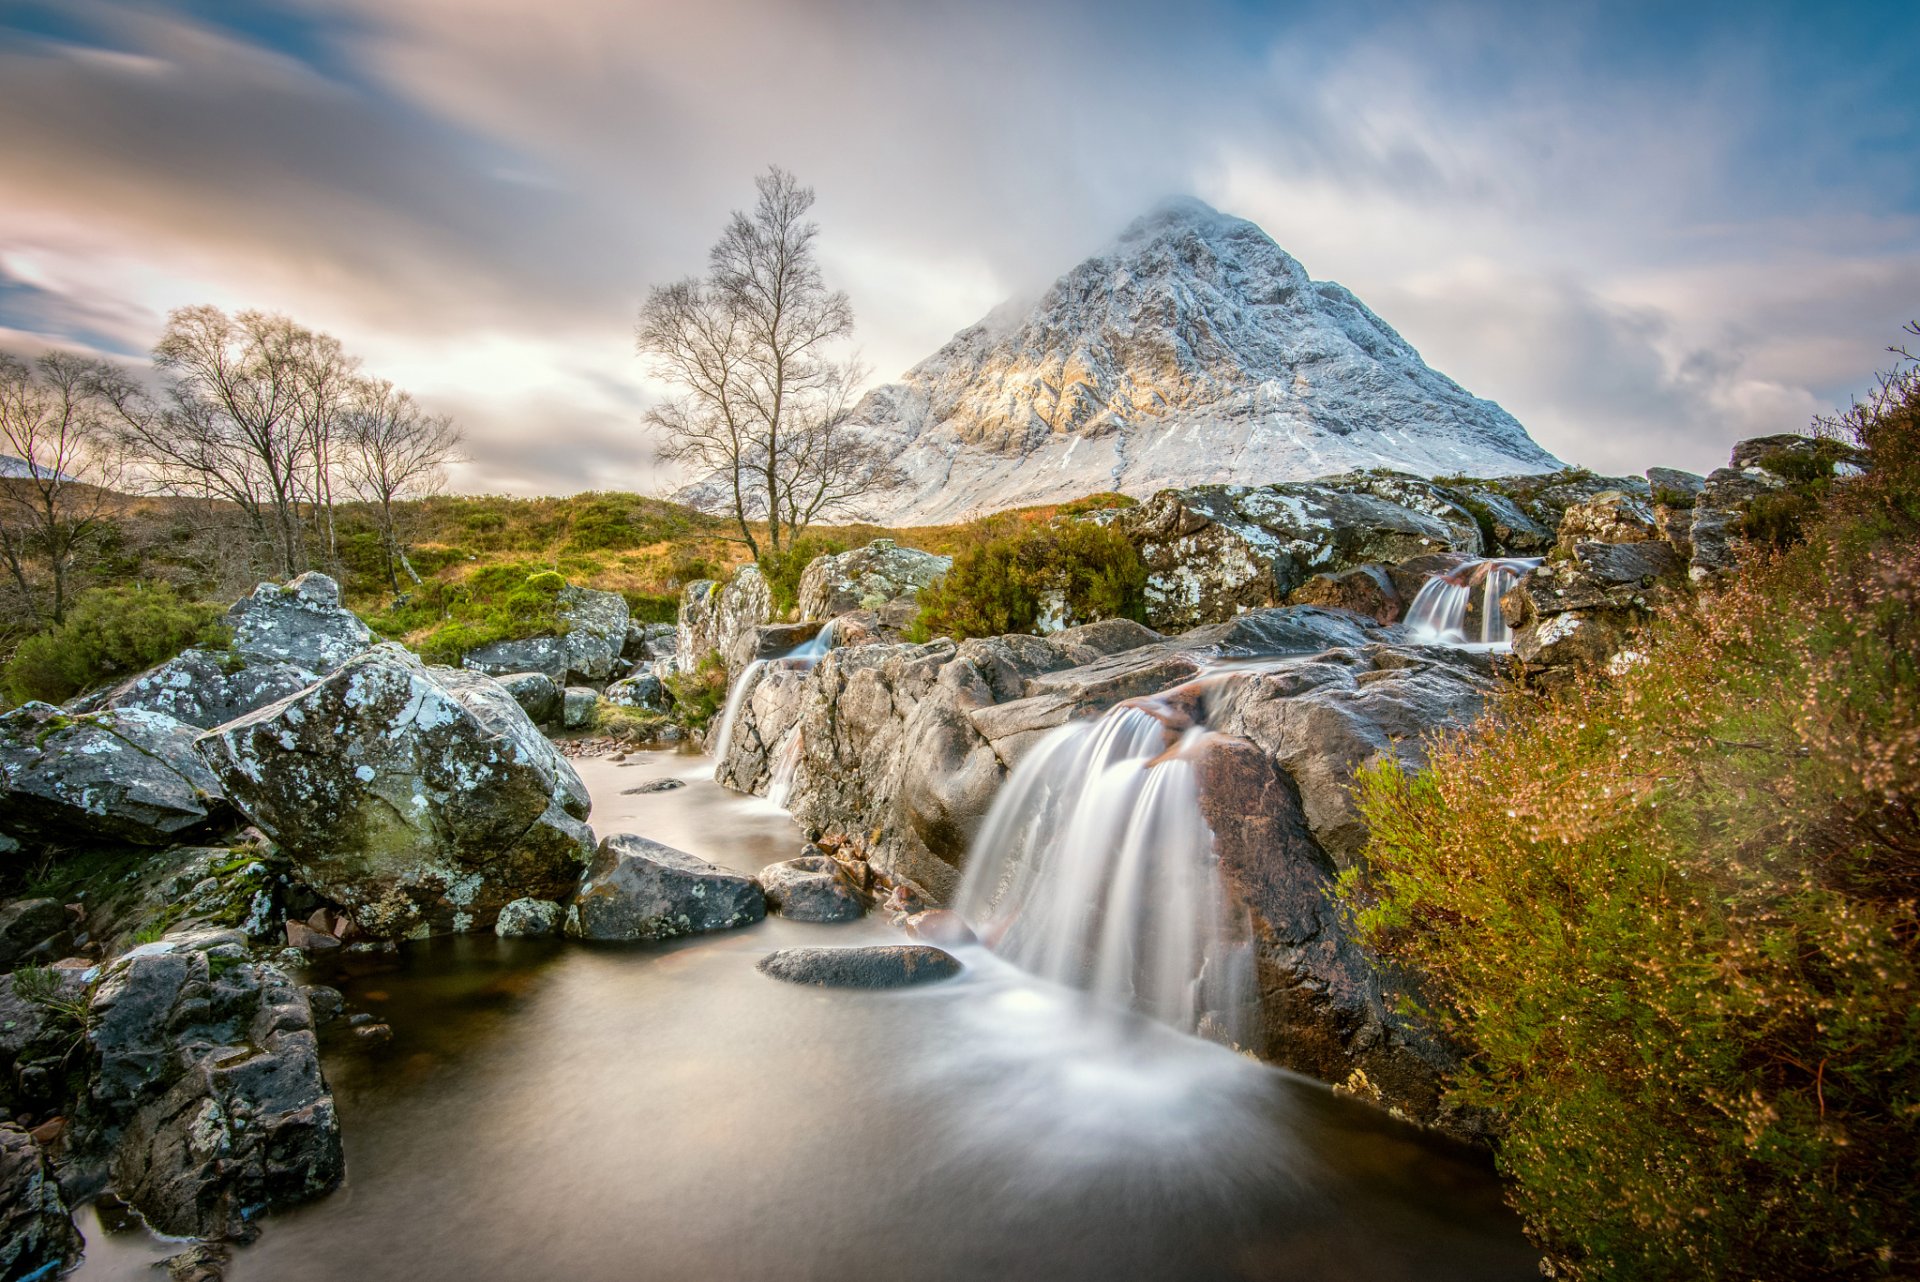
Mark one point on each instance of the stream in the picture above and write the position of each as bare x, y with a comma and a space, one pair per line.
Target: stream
554, 1110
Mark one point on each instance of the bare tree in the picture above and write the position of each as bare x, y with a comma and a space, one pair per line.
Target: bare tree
328, 386
394, 450
57, 495
763, 396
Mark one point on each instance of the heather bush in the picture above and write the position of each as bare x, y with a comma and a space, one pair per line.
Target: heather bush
1671, 914
1004, 585
108, 633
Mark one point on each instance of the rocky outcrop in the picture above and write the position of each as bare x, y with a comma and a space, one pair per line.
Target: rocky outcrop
641, 890
871, 966
714, 616
1217, 550
881, 577
648, 642
121, 775
1721, 506
204, 688
302, 623
207, 1084
37, 1237
420, 799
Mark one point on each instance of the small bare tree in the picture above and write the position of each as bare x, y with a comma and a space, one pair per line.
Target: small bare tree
328, 386
393, 450
763, 398
58, 494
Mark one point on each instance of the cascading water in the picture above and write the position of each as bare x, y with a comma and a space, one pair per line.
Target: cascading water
1440, 609
802, 656
786, 761
1095, 868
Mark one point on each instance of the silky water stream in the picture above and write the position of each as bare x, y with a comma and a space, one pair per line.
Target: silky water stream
552, 1110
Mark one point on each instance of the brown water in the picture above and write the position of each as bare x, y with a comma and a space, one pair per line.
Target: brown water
548, 1110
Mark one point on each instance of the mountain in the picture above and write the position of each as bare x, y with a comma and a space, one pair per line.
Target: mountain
1193, 350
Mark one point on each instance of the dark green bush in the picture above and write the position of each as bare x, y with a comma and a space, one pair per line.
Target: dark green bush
1002, 585
109, 633
782, 569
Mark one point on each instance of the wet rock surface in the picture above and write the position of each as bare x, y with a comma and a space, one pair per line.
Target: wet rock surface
420, 799
37, 1237
811, 888
872, 966
128, 775
638, 889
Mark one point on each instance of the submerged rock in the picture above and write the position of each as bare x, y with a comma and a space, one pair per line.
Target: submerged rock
420, 799
872, 966
128, 775
302, 623
37, 1237
641, 890
811, 888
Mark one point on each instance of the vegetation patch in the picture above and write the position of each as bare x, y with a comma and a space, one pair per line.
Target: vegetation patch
699, 695
510, 601
1010, 583
109, 634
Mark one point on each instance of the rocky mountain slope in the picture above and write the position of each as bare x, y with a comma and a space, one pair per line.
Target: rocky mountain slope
1194, 350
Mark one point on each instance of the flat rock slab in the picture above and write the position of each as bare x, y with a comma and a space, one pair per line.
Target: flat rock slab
873, 966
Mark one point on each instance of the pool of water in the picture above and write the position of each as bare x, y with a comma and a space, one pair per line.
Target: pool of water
554, 1110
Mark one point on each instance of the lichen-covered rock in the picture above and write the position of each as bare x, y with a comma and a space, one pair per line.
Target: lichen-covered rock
302, 623
536, 694
420, 799
714, 616
37, 1237
1581, 610
529, 919
645, 691
874, 577
647, 642
544, 655
811, 888
128, 775
1611, 516
596, 631
209, 1085
641, 890
1216, 550
868, 966
578, 704
203, 688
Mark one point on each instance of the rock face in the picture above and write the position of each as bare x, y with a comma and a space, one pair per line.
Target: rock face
127, 775
881, 577
873, 966
37, 1237
641, 890
811, 888
301, 623
1192, 351
421, 799
208, 1079
39, 1071
204, 688
713, 616
1213, 551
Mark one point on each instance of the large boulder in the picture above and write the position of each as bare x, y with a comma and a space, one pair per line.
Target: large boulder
647, 642
203, 688
713, 616
641, 890
421, 799
882, 577
1611, 516
37, 1237
1580, 610
1216, 550
126, 775
546, 655
301, 623
208, 1085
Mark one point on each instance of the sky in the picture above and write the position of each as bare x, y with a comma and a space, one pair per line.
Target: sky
1647, 231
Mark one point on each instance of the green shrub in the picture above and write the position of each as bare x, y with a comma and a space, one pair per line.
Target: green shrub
1002, 585
109, 633
509, 601
699, 695
782, 570
653, 607
1671, 914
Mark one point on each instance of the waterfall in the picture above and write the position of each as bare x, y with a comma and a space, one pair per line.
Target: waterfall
781, 769
1095, 868
1440, 610
804, 655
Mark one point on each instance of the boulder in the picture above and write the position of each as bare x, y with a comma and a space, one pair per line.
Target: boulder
420, 799
1673, 487
1579, 611
578, 705
1610, 516
529, 919
536, 694
126, 775
645, 691
302, 623
714, 616
208, 1085
589, 649
545, 655
870, 966
203, 688
34, 930
811, 888
881, 577
647, 642
37, 1237
639, 889
1366, 590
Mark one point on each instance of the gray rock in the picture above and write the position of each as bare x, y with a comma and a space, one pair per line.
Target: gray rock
203, 688
647, 642
713, 617
639, 889
302, 623
811, 888
544, 655
577, 706
37, 1237
127, 775
1610, 516
596, 631
34, 930
209, 1082
1671, 482
529, 918
420, 799
653, 786
645, 691
871, 966
1365, 590
1721, 506
878, 575
536, 694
